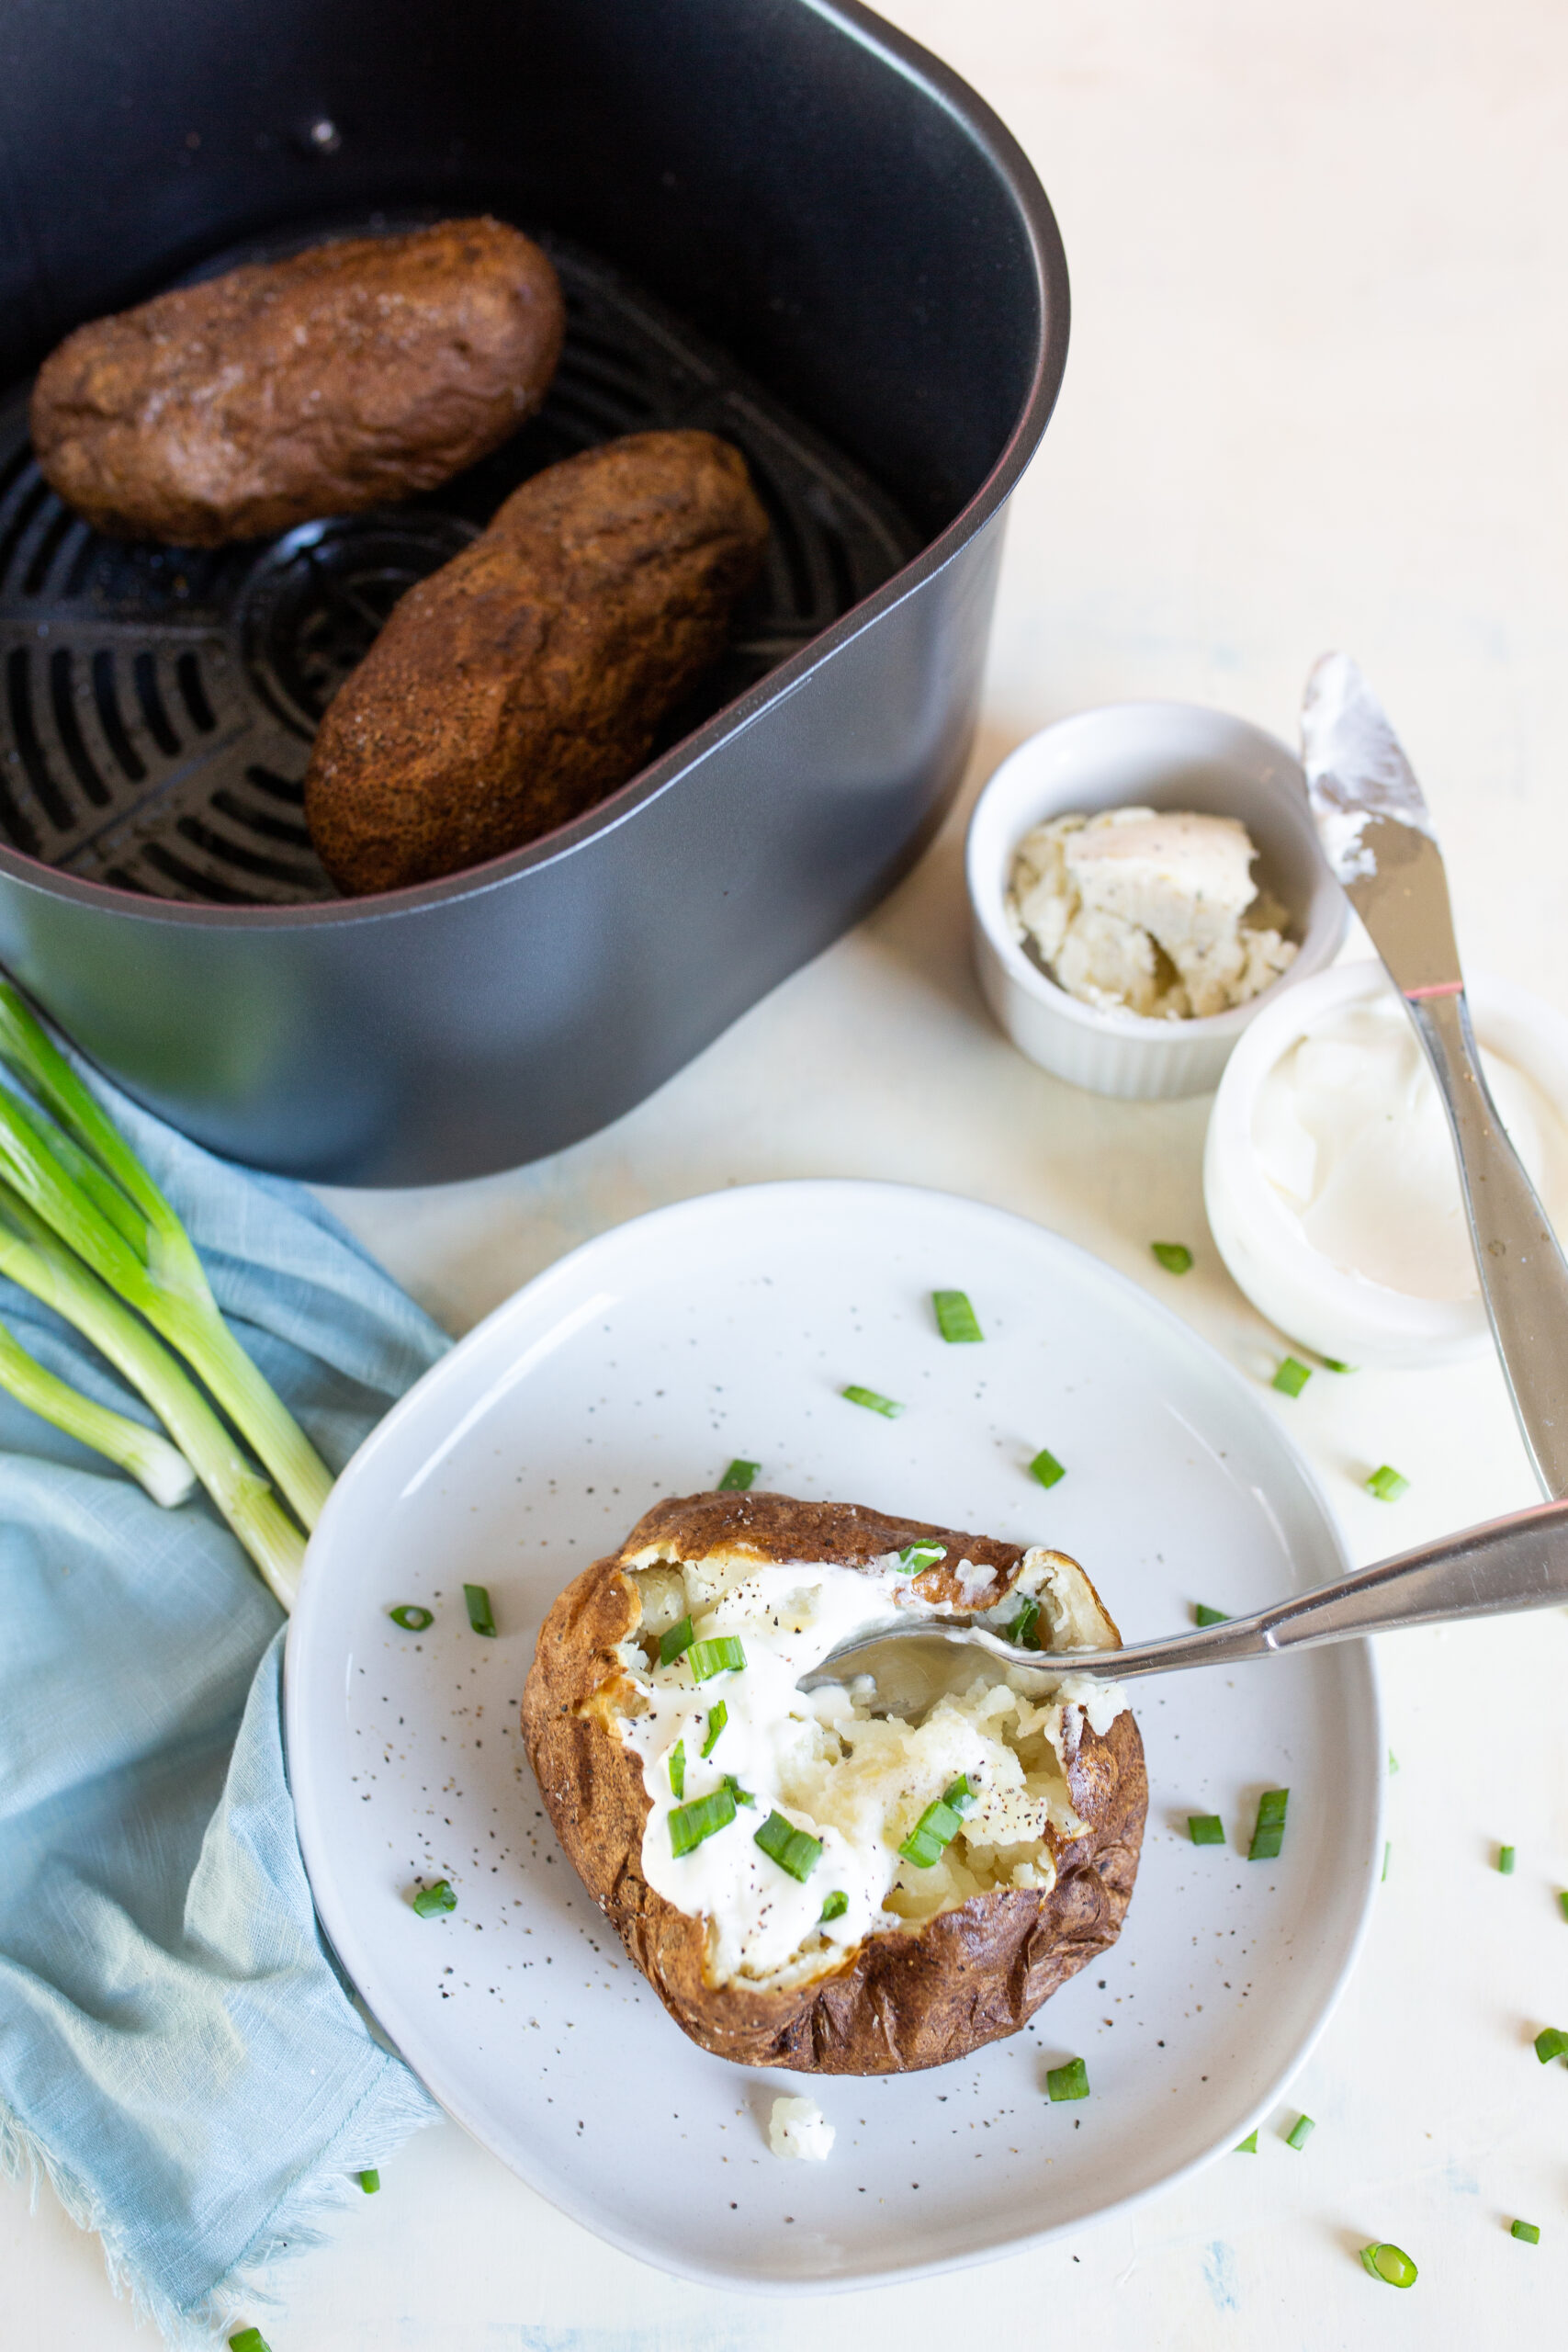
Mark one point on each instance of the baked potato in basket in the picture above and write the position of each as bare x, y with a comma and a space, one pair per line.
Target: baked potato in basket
805, 1883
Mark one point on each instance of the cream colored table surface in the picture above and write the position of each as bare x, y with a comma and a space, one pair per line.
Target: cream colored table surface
1317, 393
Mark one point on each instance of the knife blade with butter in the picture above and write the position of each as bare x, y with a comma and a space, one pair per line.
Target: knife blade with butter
1377, 836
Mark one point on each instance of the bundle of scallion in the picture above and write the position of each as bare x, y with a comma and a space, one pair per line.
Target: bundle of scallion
84, 1229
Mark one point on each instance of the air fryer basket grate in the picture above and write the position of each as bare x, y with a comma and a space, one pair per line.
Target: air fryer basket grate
157, 704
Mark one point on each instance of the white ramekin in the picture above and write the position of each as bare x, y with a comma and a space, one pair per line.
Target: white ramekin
1331, 1311
1155, 755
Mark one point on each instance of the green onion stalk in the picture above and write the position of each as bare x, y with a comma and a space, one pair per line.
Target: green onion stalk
160, 1466
35, 1259
85, 1184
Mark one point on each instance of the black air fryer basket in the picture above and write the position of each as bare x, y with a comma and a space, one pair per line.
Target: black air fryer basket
775, 219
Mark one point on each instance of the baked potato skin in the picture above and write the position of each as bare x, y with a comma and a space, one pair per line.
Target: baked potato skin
902, 2000
524, 680
349, 376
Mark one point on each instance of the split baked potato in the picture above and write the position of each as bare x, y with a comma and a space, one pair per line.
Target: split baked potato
806, 1883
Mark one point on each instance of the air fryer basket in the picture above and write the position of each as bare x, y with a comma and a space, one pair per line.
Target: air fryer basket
772, 219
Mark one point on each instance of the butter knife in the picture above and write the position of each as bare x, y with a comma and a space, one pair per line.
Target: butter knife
1378, 838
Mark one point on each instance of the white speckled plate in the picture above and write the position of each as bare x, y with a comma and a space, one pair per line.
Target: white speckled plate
636, 1368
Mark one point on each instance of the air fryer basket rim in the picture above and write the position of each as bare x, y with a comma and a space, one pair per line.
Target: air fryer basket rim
990, 134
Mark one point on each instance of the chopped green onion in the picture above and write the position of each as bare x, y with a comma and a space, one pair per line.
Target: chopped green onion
136, 1243
1206, 1829
1174, 1256
1562, 1902
1247, 2147
955, 1317
838, 1903
249, 2339
915, 1558
1386, 1852
1022, 1629
433, 1899
739, 1477
370, 2181
1386, 1484
411, 1616
1389, 2263
479, 1616
1526, 2232
1204, 1615
1293, 1377
740, 1795
155, 1464
1549, 2043
1393, 1761
1047, 1468
675, 1642
1070, 2081
936, 1828
873, 1401
678, 1768
1505, 1861
723, 1656
795, 1850
1332, 1363
689, 1824
718, 1716
960, 1795
1301, 2132
1270, 1834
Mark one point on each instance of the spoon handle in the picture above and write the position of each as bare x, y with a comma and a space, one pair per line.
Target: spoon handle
1520, 1562
1524, 1277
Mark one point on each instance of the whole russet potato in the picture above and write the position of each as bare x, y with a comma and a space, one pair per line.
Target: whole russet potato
526, 678
350, 375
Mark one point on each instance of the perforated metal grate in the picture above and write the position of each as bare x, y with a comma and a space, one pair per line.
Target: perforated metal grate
158, 704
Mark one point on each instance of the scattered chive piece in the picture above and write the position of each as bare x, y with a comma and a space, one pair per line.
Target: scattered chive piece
1293, 1377
411, 1617
1386, 1852
1386, 1484
724, 1655
370, 2182
1549, 2043
678, 1768
838, 1903
1174, 1256
429, 1900
689, 1824
795, 1850
249, 2339
716, 1720
1070, 2081
1563, 1901
936, 1828
1204, 1615
960, 1796
1393, 1761
738, 1477
954, 1315
1047, 1468
479, 1616
1270, 1834
873, 1401
1526, 2232
1021, 1630
916, 1557
1206, 1829
1332, 1363
1304, 2128
1247, 2147
740, 1796
1389, 2263
1505, 1861
675, 1642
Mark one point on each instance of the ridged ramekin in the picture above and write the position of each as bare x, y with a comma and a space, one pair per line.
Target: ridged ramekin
1156, 755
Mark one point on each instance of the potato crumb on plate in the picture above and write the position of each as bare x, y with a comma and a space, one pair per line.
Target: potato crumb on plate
797, 2127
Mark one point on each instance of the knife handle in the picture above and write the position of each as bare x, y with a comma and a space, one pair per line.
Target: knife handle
1524, 1276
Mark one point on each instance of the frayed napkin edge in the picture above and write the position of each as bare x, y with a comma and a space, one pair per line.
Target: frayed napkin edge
397, 2105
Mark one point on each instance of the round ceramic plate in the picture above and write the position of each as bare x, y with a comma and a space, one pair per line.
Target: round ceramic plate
638, 1368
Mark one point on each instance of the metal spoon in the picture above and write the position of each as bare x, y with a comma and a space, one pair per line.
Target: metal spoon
1520, 1562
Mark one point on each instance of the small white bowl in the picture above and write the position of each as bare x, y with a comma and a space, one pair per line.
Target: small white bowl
1334, 1312
1153, 755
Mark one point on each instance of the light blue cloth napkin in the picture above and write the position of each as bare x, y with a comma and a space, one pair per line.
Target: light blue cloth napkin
176, 2053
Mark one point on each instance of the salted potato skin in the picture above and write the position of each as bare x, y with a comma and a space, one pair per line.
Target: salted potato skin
349, 376
518, 684
902, 1999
